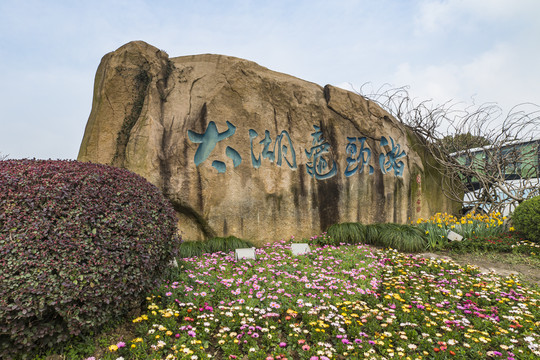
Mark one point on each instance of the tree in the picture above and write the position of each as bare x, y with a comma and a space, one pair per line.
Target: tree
460, 142
495, 157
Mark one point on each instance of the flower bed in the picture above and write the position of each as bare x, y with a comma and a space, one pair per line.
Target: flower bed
337, 303
483, 232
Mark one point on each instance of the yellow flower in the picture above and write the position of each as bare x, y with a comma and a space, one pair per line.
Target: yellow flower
511, 228
113, 348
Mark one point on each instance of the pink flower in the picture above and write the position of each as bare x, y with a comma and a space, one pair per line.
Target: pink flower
306, 347
121, 344
282, 344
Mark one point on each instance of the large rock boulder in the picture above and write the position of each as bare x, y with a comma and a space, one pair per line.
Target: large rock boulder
242, 150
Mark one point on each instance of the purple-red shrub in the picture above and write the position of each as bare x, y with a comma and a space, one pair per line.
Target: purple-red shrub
80, 244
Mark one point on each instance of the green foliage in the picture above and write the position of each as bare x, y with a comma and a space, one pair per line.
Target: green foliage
401, 237
507, 243
226, 244
319, 240
80, 244
348, 233
190, 249
469, 226
373, 234
526, 218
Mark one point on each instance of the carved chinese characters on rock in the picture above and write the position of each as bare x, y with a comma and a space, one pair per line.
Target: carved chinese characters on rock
280, 150
208, 141
318, 165
359, 156
283, 145
390, 160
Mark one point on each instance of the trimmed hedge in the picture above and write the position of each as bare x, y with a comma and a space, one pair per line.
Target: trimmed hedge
526, 218
80, 244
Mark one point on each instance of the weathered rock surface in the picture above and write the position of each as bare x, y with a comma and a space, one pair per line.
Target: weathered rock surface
242, 150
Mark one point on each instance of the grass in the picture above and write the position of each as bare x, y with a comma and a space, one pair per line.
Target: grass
511, 259
190, 249
348, 233
401, 237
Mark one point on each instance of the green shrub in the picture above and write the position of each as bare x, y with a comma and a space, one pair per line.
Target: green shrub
526, 218
400, 237
225, 244
190, 249
80, 244
405, 238
373, 234
347, 233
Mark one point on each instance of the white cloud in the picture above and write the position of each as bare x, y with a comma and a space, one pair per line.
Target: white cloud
439, 15
501, 74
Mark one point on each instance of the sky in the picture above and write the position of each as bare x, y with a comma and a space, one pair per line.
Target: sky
463, 51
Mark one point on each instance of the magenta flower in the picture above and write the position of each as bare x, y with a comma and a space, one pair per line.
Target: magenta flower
282, 344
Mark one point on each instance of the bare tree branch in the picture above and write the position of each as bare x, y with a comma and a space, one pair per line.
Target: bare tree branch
498, 158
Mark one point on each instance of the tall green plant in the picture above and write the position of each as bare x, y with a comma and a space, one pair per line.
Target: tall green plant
348, 233
225, 244
402, 237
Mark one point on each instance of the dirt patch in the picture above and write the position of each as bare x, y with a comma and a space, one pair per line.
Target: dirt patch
502, 264
499, 263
